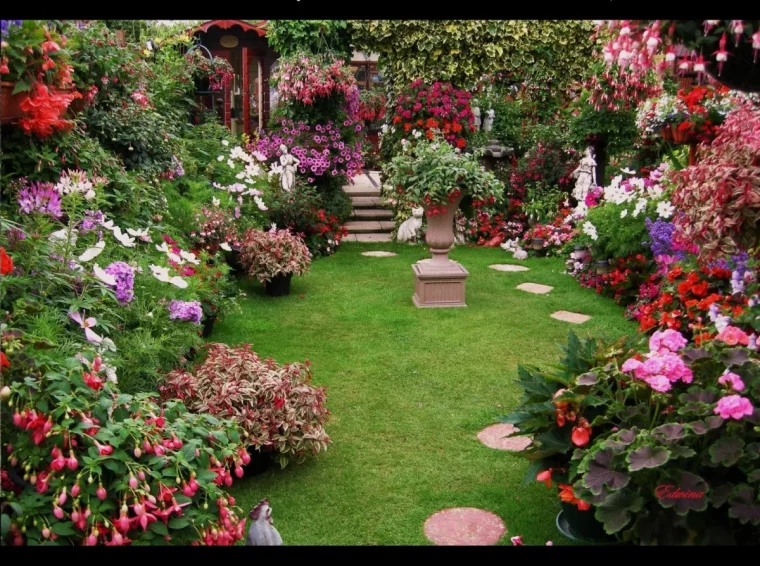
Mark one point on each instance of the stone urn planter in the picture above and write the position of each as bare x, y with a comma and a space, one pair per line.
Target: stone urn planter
440, 282
603, 267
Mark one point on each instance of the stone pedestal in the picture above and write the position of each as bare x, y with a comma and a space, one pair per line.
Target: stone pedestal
439, 285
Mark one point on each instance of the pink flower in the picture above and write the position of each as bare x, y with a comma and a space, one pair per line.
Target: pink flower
631, 365
668, 340
733, 407
517, 541
733, 336
659, 383
86, 324
732, 380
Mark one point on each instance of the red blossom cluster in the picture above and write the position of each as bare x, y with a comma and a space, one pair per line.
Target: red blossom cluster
613, 92
44, 109
306, 79
437, 107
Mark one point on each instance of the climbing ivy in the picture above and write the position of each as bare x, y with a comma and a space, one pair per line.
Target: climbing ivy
288, 37
461, 51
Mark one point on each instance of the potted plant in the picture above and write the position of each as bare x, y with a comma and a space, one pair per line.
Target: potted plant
273, 258
281, 414
558, 420
37, 87
436, 176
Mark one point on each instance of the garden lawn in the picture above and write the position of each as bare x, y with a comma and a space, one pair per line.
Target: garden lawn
409, 389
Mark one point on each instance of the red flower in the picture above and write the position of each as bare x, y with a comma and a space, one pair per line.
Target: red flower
546, 477
6, 262
581, 433
4, 363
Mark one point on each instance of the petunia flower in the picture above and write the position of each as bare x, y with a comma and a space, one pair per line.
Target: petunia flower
86, 324
93, 252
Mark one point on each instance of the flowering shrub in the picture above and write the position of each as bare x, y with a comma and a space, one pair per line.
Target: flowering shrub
546, 164
719, 195
422, 109
99, 467
277, 252
275, 406
434, 175
554, 236
216, 230
485, 225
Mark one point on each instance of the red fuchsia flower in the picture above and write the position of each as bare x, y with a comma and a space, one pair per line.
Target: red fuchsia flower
92, 381
72, 464
101, 492
123, 523
732, 336
75, 490
142, 516
104, 449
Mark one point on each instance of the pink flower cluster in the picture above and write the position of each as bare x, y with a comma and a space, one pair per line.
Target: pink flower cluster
613, 93
734, 407
307, 78
320, 149
140, 99
662, 366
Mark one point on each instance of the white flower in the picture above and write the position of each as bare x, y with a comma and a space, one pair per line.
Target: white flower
624, 213
220, 158
178, 282
231, 163
175, 258
189, 256
640, 206
93, 252
150, 314
252, 170
62, 235
103, 276
260, 203
163, 248
106, 345
142, 234
627, 171
225, 142
259, 156
107, 224
416, 133
160, 273
110, 372
124, 239
590, 230
665, 209
215, 201
225, 246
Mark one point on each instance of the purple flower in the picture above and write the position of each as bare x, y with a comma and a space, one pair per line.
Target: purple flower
40, 197
125, 281
661, 238
92, 218
189, 311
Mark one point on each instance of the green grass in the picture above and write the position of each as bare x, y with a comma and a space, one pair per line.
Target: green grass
409, 389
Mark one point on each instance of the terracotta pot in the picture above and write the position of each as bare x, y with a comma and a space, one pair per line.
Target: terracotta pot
683, 137
440, 232
667, 133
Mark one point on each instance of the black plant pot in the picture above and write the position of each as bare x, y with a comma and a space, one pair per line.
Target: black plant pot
208, 326
581, 525
279, 286
260, 462
235, 263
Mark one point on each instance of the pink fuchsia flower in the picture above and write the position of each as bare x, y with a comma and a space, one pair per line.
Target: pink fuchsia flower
659, 383
732, 380
86, 324
666, 340
733, 336
517, 541
733, 407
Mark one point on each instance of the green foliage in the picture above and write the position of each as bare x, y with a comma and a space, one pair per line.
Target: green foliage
617, 237
288, 37
461, 51
618, 128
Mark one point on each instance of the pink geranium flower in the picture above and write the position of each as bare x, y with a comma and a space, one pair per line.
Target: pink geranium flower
666, 340
733, 407
733, 336
732, 380
86, 324
631, 365
659, 383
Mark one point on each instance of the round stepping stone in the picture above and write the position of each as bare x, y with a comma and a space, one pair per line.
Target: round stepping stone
464, 526
508, 267
498, 436
378, 254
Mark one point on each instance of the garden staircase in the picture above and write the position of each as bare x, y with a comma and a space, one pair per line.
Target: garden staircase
371, 219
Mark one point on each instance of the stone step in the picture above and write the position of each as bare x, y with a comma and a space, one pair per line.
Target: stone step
367, 202
370, 237
356, 226
372, 214
361, 190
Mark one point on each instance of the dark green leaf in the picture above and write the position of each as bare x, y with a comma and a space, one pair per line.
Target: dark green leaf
647, 457
615, 512
726, 451
63, 529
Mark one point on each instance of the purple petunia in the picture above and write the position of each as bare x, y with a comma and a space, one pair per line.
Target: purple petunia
189, 311
125, 281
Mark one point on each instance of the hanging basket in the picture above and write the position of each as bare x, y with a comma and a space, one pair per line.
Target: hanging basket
667, 133
683, 137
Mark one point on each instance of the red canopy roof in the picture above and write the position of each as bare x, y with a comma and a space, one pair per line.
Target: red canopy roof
258, 27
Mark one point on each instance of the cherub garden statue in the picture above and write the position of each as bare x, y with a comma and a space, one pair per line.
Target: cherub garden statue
262, 531
409, 229
488, 122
